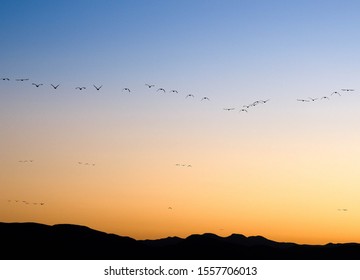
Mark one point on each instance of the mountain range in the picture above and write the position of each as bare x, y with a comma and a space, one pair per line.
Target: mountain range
34, 241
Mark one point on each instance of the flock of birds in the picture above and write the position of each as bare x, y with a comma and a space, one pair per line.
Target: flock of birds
244, 108
27, 203
311, 99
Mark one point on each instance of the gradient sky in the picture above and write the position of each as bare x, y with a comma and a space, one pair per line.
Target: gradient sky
281, 170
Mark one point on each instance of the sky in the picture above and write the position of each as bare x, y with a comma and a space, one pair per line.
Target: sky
116, 161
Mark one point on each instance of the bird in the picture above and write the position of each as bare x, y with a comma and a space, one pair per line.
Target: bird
229, 109
161, 89
177, 164
325, 97
79, 162
205, 98
55, 87
21, 80
335, 92
243, 110
264, 101
174, 90
313, 99
189, 165
5, 79
170, 208
97, 88
37, 85
343, 209
42, 203
80, 88
347, 89
127, 89
303, 100
149, 86
189, 95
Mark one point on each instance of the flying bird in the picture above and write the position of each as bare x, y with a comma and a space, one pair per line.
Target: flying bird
229, 109
161, 89
205, 98
170, 208
80, 88
97, 88
174, 90
189, 95
347, 89
243, 110
303, 100
313, 99
55, 87
37, 85
325, 97
21, 80
149, 86
5, 79
335, 92
264, 101
127, 89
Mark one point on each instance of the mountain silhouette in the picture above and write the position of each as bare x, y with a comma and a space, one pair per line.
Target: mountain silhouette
34, 241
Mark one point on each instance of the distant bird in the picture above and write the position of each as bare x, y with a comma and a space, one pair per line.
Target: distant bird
205, 98
170, 208
189, 165
347, 89
303, 100
325, 97
80, 88
149, 86
264, 101
313, 99
5, 79
189, 95
343, 209
243, 110
177, 164
229, 109
97, 88
37, 85
161, 89
42, 203
55, 87
127, 89
79, 162
335, 92
174, 90
21, 80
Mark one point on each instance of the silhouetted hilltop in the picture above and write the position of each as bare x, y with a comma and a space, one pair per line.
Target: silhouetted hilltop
70, 242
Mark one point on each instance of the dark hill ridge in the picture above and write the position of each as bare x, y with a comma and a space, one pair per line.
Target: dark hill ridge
33, 241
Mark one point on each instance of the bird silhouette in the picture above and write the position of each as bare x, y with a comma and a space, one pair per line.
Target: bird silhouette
127, 89
149, 86
313, 99
37, 85
55, 87
21, 80
170, 208
303, 100
265, 101
325, 97
161, 89
205, 98
189, 95
229, 109
347, 89
5, 79
97, 88
174, 90
243, 110
80, 88
335, 92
